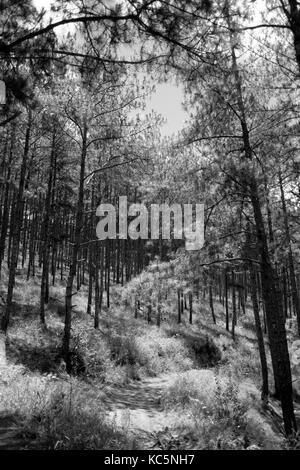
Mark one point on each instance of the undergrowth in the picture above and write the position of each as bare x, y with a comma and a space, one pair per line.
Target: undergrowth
215, 396
57, 414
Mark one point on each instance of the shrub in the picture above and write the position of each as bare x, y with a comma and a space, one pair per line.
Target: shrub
214, 410
159, 353
65, 423
123, 350
205, 350
193, 385
77, 364
259, 429
149, 353
55, 414
36, 358
220, 411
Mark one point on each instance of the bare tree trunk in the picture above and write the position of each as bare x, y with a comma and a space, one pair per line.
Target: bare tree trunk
260, 336
233, 305
270, 288
269, 213
158, 312
294, 290
5, 215
179, 305
75, 250
211, 303
149, 311
191, 307
90, 282
226, 301
107, 263
16, 227
293, 17
46, 228
97, 289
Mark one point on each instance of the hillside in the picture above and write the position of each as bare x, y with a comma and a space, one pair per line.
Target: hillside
134, 385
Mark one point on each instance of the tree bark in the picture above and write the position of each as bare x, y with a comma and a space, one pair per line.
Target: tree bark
191, 307
211, 303
226, 301
5, 215
46, 229
294, 289
270, 286
16, 229
233, 305
179, 306
75, 250
260, 336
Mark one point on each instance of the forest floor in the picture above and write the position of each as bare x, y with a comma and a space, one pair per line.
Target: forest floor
134, 385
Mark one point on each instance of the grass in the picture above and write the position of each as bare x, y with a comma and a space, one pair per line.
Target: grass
215, 397
133, 350
219, 412
58, 414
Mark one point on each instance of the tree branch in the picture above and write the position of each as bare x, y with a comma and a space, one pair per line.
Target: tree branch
11, 118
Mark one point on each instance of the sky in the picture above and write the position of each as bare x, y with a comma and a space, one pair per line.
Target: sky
166, 100
168, 97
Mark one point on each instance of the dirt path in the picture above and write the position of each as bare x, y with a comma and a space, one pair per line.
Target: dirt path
138, 407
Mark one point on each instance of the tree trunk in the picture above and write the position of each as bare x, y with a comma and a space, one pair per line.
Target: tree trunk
158, 312
149, 311
259, 334
226, 301
211, 303
179, 306
191, 307
293, 17
46, 229
233, 305
270, 291
97, 290
90, 282
75, 250
16, 229
5, 215
294, 290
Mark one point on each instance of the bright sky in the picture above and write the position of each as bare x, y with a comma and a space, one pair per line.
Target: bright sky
166, 100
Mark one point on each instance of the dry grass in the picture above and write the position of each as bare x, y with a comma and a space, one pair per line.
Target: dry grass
217, 406
58, 414
219, 412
